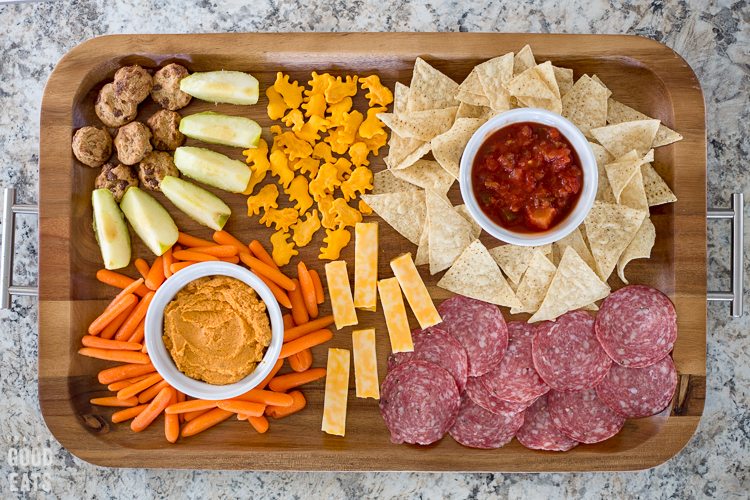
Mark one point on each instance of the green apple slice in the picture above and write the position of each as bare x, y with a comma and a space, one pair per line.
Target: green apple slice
111, 230
151, 221
212, 168
233, 87
202, 206
215, 128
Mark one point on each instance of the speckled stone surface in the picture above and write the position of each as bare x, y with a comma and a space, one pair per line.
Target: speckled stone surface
714, 37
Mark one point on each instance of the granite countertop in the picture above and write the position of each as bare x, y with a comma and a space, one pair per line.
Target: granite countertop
714, 37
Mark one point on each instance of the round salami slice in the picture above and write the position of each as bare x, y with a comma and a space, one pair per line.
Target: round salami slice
637, 326
419, 402
476, 427
481, 396
481, 329
639, 392
435, 346
567, 354
583, 416
539, 433
515, 378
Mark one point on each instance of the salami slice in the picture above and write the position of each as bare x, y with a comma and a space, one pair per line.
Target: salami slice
639, 392
637, 326
419, 402
539, 433
567, 354
435, 346
481, 329
476, 427
515, 378
481, 396
583, 416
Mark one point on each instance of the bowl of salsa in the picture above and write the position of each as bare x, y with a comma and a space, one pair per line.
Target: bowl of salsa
528, 177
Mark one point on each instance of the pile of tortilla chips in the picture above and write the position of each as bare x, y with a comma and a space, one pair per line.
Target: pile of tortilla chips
435, 114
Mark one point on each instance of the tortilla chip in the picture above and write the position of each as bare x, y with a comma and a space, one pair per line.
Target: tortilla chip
475, 275
400, 98
657, 191
564, 77
473, 99
430, 89
450, 233
404, 151
554, 105
535, 283
449, 146
618, 113
422, 125
476, 229
639, 248
603, 158
523, 60
621, 171
530, 84
427, 175
385, 182
574, 286
622, 137
610, 229
492, 74
576, 241
546, 73
601, 83
404, 211
466, 110
423, 251
514, 259
591, 307
586, 105
634, 194
472, 84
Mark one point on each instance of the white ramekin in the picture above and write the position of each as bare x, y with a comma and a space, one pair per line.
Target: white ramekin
574, 137
162, 359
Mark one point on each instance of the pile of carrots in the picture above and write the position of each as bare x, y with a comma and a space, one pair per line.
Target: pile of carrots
118, 335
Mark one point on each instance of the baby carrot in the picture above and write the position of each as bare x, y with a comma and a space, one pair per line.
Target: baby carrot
270, 376
192, 241
247, 407
224, 238
91, 341
299, 311
131, 288
192, 405
122, 372
167, 262
111, 355
232, 260
261, 254
208, 419
116, 386
156, 275
192, 415
283, 383
142, 267
145, 349
153, 410
217, 250
319, 295
139, 333
152, 391
308, 290
260, 423
288, 321
265, 397
110, 314
312, 326
262, 268
114, 401
299, 402
144, 384
116, 323
305, 342
172, 422
280, 294
128, 328
178, 266
177, 248
194, 256
301, 361
127, 413
241, 416
118, 280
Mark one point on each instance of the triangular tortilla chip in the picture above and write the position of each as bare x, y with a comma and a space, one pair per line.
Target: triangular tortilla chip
466, 110
514, 259
564, 77
621, 171
400, 98
492, 74
585, 105
473, 99
474, 274
535, 283
610, 228
404, 151
606, 89
602, 157
657, 191
621, 138
554, 105
427, 175
385, 182
449, 146
523, 60
472, 84
476, 229
423, 251
618, 113
546, 73
639, 248
634, 194
574, 285
450, 233
422, 125
404, 211
591, 307
530, 84
430, 89
576, 241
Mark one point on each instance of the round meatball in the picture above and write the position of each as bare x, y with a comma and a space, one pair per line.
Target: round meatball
132, 84
166, 90
133, 143
116, 178
154, 168
165, 127
92, 146
112, 111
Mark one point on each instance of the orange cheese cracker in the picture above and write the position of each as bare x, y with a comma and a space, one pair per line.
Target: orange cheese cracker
415, 291
395, 315
365, 364
340, 292
365, 265
337, 392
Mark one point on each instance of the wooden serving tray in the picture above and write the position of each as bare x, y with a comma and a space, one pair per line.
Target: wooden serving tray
640, 72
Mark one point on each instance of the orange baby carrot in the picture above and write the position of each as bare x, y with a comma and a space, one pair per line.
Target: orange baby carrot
119, 280
246, 407
110, 314
194, 256
156, 275
153, 410
261, 254
305, 342
262, 268
177, 266
91, 341
312, 326
192, 405
111, 355
144, 384
208, 419
192, 241
152, 391
319, 295
299, 311
172, 422
299, 402
110, 330
145, 349
301, 361
114, 401
224, 238
116, 386
131, 288
280, 294
128, 328
122, 372
308, 290
142, 267
265, 397
167, 262
260, 423
217, 250
232, 260
139, 333
242, 416
288, 321
127, 413
192, 415
283, 383
271, 375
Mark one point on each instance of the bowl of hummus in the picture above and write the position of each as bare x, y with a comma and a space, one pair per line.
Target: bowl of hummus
214, 330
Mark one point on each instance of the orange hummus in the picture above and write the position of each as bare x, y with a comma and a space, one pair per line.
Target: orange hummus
217, 330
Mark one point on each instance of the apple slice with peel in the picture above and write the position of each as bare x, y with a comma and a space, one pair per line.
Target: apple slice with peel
212, 168
202, 206
111, 230
151, 221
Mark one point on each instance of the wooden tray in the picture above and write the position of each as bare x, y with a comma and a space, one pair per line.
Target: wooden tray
642, 73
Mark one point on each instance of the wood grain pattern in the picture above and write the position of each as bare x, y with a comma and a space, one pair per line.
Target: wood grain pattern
640, 72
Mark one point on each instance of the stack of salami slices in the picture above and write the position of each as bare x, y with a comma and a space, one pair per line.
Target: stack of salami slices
554, 386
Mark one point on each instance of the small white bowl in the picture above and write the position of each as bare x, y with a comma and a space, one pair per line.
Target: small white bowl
574, 137
162, 359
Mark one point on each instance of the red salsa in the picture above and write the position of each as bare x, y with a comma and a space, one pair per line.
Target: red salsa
527, 177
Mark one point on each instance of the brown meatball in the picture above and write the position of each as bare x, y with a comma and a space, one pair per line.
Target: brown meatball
112, 111
154, 168
133, 143
92, 146
116, 178
166, 90
132, 84
165, 125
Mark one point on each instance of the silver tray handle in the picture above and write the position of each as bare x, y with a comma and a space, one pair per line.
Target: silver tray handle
10, 209
738, 257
